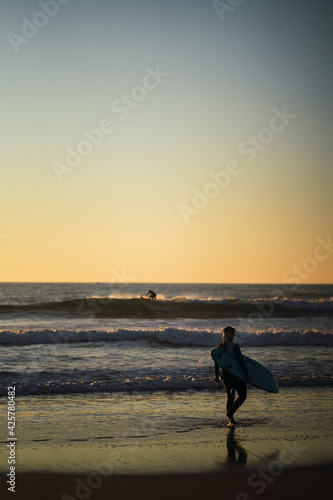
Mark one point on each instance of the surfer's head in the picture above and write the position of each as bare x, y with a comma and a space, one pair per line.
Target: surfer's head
229, 333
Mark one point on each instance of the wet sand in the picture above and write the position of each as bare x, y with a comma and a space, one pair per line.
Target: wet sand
172, 446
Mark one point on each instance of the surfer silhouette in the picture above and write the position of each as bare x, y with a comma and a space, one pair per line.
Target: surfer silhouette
151, 295
231, 382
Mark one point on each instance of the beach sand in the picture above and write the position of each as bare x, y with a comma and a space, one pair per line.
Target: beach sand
176, 445
299, 483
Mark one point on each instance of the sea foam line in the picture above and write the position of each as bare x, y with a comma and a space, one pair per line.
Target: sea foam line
83, 383
165, 336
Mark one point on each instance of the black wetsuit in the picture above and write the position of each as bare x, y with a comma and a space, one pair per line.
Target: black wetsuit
232, 383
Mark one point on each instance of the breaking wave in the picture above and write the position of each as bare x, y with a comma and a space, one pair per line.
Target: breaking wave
179, 307
164, 336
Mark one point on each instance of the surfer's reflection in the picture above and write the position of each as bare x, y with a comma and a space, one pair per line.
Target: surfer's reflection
234, 448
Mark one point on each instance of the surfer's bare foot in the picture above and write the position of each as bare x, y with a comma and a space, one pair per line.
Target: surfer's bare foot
231, 422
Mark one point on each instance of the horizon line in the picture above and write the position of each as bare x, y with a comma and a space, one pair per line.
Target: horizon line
164, 283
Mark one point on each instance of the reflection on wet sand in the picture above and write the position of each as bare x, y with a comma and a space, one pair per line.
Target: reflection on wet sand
236, 452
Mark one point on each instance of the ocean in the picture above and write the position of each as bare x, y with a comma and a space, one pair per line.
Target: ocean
60, 338
79, 352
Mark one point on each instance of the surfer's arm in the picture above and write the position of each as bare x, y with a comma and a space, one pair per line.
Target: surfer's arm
217, 368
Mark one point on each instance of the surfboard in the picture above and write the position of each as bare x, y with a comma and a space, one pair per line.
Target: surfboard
258, 374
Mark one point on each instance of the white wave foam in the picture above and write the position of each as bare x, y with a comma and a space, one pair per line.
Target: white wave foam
167, 336
94, 383
310, 305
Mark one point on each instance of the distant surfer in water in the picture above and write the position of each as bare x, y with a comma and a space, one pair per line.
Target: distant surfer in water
151, 295
231, 382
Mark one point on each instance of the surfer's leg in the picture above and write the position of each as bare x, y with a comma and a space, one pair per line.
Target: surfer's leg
241, 389
230, 390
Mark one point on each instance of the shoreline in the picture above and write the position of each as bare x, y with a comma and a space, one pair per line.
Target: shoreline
179, 433
298, 482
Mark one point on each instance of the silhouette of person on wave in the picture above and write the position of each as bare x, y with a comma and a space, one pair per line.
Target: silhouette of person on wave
151, 295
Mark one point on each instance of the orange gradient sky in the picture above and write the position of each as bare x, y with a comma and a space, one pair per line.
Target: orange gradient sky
212, 162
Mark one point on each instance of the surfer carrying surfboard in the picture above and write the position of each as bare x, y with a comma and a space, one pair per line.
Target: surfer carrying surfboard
231, 382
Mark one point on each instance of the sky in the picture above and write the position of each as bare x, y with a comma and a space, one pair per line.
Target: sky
166, 141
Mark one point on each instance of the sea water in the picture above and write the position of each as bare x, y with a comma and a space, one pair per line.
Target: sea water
96, 364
